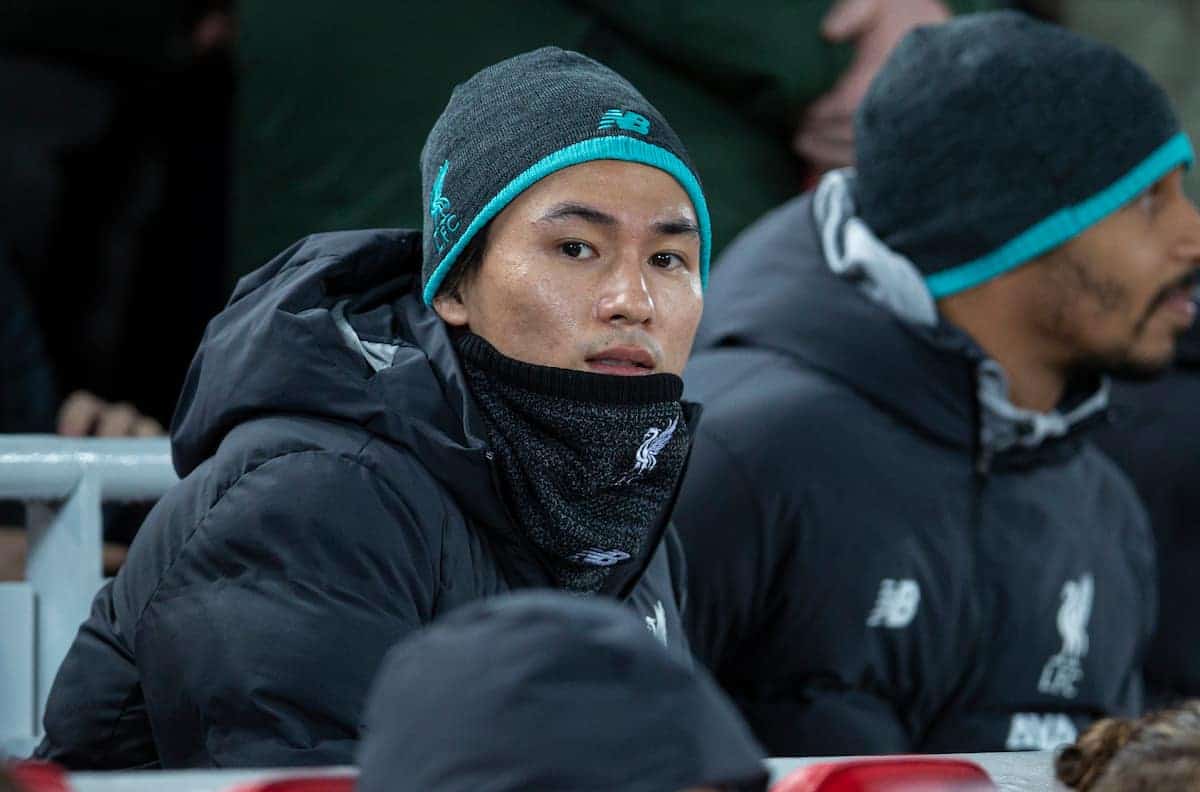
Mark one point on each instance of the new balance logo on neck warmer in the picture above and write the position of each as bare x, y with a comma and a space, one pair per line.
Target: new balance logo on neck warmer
598, 557
626, 120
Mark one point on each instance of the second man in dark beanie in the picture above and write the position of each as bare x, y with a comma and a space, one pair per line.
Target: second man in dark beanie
384, 425
918, 548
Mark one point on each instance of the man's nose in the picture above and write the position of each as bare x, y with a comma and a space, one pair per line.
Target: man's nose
625, 295
1188, 247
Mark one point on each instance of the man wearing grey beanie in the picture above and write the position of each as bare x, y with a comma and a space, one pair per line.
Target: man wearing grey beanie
384, 425
918, 548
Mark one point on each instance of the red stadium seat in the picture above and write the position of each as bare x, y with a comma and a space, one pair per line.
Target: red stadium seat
32, 776
328, 783
888, 774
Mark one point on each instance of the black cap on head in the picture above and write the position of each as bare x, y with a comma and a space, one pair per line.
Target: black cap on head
991, 139
544, 690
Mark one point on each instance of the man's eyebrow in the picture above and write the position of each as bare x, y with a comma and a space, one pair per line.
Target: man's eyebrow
676, 227
563, 211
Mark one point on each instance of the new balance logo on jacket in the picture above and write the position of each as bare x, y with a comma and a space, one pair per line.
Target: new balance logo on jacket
896, 605
1031, 731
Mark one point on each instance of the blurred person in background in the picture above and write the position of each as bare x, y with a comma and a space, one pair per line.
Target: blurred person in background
114, 186
29, 404
1159, 752
917, 548
114, 194
384, 425
570, 695
332, 106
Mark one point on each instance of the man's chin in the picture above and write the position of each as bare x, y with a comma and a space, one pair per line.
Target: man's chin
1139, 372
1133, 367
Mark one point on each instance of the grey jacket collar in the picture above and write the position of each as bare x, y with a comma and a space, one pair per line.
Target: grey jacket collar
854, 252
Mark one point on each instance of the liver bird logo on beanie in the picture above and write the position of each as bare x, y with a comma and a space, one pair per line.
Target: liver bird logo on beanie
506, 128
445, 224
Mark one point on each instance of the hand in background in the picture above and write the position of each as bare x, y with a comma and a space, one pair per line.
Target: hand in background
826, 134
86, 415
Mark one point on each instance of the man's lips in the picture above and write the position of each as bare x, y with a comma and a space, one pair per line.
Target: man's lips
1180, 303
1178, 300
623, 361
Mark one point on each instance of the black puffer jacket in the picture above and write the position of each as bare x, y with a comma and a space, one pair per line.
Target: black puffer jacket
1156, 440
329, 507
870, 581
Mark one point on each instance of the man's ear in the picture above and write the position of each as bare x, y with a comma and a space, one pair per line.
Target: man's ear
450, 306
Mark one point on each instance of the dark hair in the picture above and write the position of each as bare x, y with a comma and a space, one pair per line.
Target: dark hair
1159, 751
469, 262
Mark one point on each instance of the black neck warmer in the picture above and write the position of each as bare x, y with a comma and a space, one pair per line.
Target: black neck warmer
588, 461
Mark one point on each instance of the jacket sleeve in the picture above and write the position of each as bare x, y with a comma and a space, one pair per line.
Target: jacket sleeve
257, 642
749, 616
95, 716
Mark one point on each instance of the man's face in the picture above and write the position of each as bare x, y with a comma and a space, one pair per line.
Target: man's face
594, 268
1117, 296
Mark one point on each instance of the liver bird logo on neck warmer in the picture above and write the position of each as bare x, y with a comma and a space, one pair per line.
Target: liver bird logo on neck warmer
655, 440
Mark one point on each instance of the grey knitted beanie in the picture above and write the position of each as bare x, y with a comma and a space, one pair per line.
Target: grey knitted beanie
994, 138
523, 119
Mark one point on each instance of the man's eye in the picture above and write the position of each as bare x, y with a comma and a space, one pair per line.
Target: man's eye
666, 260
577, 250
1151, 199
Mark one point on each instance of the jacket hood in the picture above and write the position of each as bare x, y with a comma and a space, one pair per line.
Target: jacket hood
780, 295
570, 694
333, 328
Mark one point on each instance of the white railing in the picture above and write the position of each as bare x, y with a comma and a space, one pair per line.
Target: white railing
1011, 772
63, 483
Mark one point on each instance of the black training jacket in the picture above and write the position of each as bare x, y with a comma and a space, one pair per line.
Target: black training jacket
1156, 440
864, 579
328, 508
